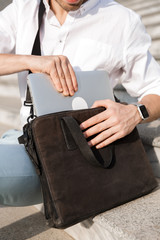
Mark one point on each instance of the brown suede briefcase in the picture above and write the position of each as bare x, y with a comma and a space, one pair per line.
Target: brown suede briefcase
79, 182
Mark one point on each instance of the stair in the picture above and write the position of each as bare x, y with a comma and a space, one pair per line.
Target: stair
9, 103
150, 14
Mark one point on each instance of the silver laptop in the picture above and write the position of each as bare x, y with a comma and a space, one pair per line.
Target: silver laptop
92, 86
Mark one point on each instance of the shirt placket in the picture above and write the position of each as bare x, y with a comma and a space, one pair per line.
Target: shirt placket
63, 33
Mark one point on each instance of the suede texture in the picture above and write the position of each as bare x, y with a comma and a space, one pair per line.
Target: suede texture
74, 189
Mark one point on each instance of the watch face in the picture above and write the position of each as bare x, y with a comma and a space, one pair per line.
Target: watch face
144, 111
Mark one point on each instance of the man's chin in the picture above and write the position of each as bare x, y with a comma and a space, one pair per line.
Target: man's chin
70, 5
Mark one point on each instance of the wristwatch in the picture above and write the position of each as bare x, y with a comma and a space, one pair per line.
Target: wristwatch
142, 110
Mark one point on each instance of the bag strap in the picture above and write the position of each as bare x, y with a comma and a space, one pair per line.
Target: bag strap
36, 48
82, 144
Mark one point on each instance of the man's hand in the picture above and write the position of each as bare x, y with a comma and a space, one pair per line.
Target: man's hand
60, 71
58, 67
117, 121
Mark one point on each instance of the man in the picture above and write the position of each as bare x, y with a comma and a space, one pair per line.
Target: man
84, 35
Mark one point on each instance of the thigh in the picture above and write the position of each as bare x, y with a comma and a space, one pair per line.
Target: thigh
19, 183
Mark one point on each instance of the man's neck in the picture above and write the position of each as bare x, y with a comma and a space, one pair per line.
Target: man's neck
59, 12
62, 7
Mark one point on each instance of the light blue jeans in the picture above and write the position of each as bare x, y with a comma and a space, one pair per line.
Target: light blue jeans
19, 183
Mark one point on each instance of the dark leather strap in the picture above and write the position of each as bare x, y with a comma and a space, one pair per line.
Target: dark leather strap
81, 142
36, 48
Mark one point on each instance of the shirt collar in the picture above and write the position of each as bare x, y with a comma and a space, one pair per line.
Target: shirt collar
85, 7
46, 4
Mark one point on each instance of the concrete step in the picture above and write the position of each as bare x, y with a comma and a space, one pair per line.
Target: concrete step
4, 128
151, 20
158, 60
148, 11
138, 4
10, 119
9, 86
10, 102
9, 112
138, 7
154, 32
27, 223
11, 79
4, 3
136, 220
155, 49
7, 90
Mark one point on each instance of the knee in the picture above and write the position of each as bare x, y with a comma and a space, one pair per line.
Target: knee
20, 191
19, 183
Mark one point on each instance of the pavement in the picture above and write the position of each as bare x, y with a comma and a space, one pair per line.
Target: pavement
27, 222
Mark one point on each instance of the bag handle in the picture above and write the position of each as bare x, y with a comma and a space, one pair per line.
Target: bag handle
81, 142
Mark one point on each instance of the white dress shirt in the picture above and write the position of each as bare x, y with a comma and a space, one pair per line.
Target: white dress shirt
102, 34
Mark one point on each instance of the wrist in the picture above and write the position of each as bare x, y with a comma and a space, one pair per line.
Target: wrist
142, 111
135, 114
30, 62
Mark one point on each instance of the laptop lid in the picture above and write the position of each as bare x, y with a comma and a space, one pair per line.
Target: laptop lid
92, 86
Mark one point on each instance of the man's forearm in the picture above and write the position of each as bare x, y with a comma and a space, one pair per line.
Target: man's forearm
57, 67
152, 103
11, 63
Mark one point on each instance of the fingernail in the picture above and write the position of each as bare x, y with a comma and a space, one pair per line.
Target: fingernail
81, 127
84, 134
72, 93
98, 147
60, 90
90, 144
66, 94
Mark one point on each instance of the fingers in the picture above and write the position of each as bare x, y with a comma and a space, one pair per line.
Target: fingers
54, 74
94, 120
106, 141
115, 122
101, 126
63, 76
108, 131
101, 116
60, 71
73, 77
107, 136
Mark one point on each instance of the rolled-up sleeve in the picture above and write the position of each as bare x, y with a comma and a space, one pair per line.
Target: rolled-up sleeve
8, 28
142, 71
